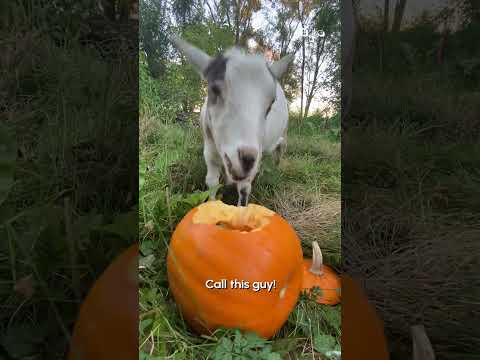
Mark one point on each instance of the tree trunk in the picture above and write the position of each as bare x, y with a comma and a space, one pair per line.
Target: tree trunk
211, 13
302, 77
398, 15
349, 27
442, 46
386, 15
307, 106
237, 21
311, 93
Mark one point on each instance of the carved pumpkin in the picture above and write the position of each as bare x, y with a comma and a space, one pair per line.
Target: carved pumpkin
216, 241
110, 309
318, 275
363, 335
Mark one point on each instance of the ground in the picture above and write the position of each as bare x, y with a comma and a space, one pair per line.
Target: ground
305, 189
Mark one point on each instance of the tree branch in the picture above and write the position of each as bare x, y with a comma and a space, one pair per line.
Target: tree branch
211, 11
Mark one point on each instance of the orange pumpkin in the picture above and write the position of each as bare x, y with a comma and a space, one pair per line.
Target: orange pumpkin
107, 324
316, 274
216, 241
363, 335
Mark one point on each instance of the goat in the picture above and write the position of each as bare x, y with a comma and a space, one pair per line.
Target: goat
244, 115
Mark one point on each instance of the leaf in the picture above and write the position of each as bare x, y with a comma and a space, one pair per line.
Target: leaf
285, 345
147, 247
248, 346
145, 356
223, 350
124, 226
252, 339
323, 343
146, 261
196, 198
8, 155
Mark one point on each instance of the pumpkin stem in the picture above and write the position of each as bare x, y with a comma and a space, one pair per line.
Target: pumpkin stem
317, 260
422, 348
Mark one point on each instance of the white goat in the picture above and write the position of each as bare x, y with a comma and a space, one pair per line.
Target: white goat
244, 114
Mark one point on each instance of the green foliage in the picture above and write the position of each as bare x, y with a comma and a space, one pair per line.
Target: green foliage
153, 32
162, 98
244, 347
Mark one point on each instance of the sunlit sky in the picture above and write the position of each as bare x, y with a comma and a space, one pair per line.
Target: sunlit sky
259, 22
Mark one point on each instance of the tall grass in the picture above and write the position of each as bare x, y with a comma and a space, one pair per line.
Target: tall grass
69, 107
410, 181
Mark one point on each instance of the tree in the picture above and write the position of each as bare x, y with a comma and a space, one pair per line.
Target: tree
153, 34
386, 15
398, 15
324, 49
279, 36
285, 25
187, 12
236, 15
302, 10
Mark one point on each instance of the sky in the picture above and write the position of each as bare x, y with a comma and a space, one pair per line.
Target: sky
259, 22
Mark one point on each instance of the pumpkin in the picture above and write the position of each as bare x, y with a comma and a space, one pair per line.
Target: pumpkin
318, 275
107, 324
363, 335
253, 244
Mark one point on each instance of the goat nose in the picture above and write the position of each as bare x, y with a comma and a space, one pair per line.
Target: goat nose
247, 156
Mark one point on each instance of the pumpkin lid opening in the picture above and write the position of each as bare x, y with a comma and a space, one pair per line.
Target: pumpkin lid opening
245, 219
317, 260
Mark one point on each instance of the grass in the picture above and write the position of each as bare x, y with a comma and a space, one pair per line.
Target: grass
67, 201
410, 183
305, 189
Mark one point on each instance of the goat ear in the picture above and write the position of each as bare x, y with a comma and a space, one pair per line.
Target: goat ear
279, 67
195, 56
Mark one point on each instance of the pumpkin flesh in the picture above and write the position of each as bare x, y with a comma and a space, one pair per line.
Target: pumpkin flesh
216, 241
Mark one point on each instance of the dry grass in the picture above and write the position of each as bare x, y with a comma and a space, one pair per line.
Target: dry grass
314, 216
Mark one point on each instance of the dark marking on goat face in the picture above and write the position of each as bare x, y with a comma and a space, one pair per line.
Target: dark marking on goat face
215, 75
231, 170
216, 69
